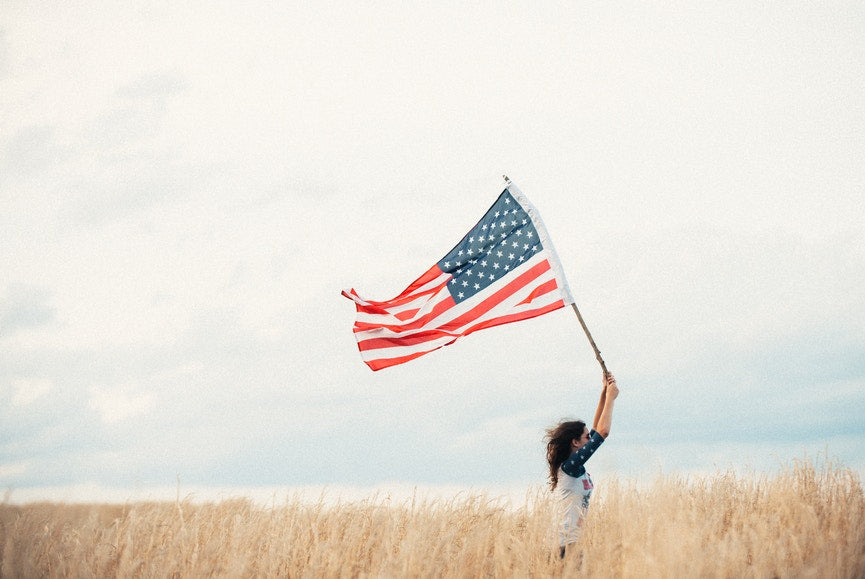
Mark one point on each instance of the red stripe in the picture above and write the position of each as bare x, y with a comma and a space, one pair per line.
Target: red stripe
407, 314
515, 317
542, 289
420, 337
387, 362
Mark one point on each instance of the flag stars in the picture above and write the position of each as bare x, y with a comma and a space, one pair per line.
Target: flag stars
500, 243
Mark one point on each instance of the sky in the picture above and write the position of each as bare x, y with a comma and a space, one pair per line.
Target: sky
186, 188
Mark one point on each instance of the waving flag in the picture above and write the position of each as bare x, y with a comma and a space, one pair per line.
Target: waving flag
504, 270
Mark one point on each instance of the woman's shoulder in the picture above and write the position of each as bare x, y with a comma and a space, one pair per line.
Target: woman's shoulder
573, 470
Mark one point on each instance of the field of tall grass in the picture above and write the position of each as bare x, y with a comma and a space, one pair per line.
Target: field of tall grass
807, 521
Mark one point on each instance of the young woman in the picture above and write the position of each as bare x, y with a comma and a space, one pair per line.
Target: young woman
569, 445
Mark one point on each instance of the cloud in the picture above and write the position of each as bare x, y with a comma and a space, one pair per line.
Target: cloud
511, 430
4, 55
120, 403
25, 307
153, 89
30, 152
14, 470
28, 391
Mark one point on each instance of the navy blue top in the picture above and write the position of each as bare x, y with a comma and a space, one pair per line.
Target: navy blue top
574, 465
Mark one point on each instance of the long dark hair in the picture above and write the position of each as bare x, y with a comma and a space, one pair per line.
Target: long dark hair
559, 445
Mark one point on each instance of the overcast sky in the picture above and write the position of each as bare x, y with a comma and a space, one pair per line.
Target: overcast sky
186, 187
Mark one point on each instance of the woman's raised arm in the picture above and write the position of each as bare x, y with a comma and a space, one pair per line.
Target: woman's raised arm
604, 413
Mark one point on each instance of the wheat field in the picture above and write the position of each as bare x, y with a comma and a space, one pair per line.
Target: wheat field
807, 521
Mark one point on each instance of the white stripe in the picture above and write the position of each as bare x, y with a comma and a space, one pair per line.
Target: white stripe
399, 351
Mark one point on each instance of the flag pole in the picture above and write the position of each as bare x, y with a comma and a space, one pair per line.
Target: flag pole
591, 341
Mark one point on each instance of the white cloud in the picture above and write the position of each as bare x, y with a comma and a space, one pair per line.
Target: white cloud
499, 432
28, 391
13, 470
116, 405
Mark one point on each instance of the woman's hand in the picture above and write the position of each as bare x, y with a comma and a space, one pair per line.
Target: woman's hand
610, 387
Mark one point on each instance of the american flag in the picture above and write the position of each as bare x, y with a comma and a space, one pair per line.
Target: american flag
504, 270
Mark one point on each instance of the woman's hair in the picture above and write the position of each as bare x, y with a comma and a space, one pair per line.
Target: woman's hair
559, 445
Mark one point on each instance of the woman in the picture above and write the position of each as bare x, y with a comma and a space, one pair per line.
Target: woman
569, 445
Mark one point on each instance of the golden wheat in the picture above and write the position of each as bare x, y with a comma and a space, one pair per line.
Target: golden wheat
808, 521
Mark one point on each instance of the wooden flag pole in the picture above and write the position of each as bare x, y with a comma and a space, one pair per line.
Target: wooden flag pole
591, 341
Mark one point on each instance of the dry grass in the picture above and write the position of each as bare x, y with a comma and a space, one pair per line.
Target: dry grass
806, 522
